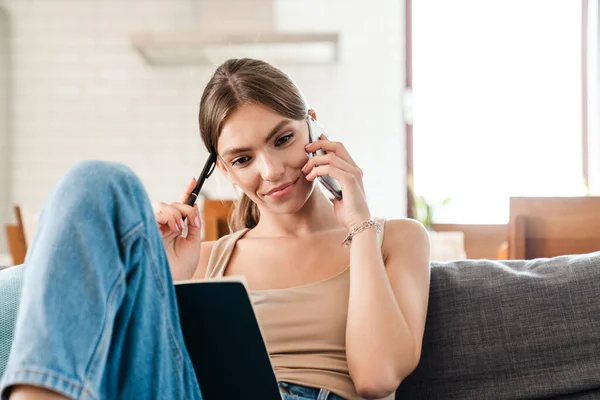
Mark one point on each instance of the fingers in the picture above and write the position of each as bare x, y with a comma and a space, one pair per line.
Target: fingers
330, 165
188, 212
330, 147
167, 223
333, 160
343, 177
172, 215
194, 232
183, 197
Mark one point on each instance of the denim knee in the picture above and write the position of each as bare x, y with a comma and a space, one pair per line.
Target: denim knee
98, 191
94, 181
95, 175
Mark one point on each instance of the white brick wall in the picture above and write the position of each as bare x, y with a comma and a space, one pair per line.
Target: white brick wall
81, 92
4, 128
359, 100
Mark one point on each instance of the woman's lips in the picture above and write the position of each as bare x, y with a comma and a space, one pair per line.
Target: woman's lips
282, 190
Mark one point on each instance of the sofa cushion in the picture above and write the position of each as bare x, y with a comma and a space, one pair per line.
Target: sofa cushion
511, 329
11, 280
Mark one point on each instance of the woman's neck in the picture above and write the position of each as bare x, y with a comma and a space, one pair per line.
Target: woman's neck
316, 216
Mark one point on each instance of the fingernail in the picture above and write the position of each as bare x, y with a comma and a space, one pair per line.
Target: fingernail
304, 168
197, 222
177, 227
307, 146
181, 223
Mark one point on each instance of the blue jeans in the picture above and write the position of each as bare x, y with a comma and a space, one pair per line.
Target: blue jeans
289, 391
98, 315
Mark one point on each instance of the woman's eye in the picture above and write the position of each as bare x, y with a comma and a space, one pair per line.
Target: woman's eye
283, 140
240, 161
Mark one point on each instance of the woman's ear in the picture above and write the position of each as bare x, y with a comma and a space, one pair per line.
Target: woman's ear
312, 113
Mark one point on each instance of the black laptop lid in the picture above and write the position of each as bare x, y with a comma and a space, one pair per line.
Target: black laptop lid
224, 341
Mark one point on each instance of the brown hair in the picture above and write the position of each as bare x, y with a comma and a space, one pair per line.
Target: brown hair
243, 81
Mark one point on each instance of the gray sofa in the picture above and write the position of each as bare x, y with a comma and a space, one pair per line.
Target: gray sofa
511, 330
495, 330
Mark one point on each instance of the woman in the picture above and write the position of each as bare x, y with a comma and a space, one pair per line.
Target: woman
99, 294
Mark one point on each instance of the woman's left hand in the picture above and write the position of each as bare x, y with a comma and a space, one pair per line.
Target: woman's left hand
338, 164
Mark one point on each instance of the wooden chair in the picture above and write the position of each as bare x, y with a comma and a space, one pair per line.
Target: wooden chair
15, 234
215, 216
553, 226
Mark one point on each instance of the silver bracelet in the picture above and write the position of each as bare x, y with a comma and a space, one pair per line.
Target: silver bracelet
359, 228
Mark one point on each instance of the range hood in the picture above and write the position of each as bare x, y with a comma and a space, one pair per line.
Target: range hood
236, 28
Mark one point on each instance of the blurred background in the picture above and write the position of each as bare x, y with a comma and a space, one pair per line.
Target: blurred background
451, 106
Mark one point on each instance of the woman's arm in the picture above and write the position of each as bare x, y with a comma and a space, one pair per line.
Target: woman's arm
389, 293
387, 306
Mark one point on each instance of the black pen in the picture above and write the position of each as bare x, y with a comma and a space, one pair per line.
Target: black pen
209, 166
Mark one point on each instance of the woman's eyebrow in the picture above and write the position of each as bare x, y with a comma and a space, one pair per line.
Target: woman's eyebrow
276, 129
272, 133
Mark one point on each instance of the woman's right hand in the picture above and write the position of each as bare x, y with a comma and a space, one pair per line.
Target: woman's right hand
183, 252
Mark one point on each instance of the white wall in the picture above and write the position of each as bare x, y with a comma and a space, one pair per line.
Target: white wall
81, 92
4, 128
359, 101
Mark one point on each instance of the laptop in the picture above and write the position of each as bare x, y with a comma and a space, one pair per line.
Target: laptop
224, 340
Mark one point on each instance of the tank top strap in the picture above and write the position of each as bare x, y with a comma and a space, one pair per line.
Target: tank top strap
223, 249
221, 254
380, 234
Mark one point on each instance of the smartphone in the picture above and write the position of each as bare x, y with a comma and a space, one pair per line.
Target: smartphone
314, 132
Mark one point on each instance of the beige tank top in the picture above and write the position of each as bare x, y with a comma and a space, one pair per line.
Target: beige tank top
304, 326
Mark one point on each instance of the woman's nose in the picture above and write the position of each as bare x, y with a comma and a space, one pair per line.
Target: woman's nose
272, 169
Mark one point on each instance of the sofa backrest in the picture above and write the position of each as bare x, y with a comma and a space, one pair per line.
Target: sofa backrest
510, 329
501, 330
11, 280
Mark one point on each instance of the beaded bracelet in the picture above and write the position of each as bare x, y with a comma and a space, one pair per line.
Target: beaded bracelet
359, 228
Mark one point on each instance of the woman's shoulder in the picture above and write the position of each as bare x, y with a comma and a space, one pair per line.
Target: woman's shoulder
400, 233
408, 225
214, 246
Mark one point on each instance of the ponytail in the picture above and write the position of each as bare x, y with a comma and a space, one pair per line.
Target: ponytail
245, 214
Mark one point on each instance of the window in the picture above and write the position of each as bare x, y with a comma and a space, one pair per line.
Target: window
497, 92
592, 98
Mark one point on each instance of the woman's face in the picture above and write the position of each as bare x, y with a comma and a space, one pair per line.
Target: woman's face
262, 153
